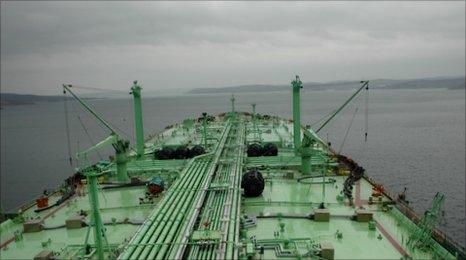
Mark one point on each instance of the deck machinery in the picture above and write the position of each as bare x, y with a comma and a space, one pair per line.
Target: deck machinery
215, 200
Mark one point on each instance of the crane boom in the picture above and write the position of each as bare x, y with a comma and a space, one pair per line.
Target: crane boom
109, 140
364, 84
88, 108
120, 145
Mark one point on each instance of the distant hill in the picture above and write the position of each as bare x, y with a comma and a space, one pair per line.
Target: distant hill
430, 83
9, 99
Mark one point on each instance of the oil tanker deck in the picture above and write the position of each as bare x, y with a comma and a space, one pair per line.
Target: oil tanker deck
236, 185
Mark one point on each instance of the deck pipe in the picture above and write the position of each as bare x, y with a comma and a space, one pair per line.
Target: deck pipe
209, 254
233, 232
218, 205
297, 86
136, 91
188, 226
180, 250
161, 217
219, 202
216, 201
141, 236
166, 214
131, 253
161, 250
205, 185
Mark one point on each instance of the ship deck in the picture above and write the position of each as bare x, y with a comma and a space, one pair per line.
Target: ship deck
202, 214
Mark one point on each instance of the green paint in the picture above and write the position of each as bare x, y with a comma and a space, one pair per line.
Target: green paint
202, 214
88, 108
99, 232
232, 99
138, 122
297, 86
204, 129
121, 158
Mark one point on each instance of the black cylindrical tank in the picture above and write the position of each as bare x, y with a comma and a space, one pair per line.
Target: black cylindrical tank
254, 150
196, 150
182, 152
165, 153
253, 183
269, 149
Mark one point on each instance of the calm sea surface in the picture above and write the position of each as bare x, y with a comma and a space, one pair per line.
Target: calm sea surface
416, 139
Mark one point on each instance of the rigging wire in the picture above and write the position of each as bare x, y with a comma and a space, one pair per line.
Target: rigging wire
333, 111
366, 112
100, 89
347, 130
77, 149
111, 124
88, 136
67, 126
324, 117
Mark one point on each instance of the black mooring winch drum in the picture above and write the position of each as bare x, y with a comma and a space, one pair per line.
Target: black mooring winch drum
165, 153
254, 150
269, 149
253, 183
196, 151
182, 152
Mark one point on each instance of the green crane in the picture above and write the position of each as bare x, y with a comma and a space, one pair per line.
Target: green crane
421, 237
297, 85
309, 139
364, 84
136, 91
120, 145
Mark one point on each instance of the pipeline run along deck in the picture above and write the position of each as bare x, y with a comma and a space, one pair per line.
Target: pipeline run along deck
237, 185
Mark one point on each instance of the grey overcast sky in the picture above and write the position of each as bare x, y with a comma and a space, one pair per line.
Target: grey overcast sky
167, 45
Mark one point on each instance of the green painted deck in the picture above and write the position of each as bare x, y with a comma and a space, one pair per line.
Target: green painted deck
203, 215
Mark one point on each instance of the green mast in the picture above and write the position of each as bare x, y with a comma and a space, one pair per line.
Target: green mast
232, 99
306, 152
99, 233
297, 86
204, 129
136, 91
255, 128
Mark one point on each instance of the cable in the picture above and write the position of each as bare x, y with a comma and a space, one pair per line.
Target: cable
67, 126
322, 118
366, 112
100, 89
347, 130
88, 136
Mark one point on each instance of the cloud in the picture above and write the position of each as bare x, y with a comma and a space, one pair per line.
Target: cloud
201, 44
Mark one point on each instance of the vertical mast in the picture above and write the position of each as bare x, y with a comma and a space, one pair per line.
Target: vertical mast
136, 91
99, 234
297, 86
254, 116
254, 123
204, 129
232, 99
